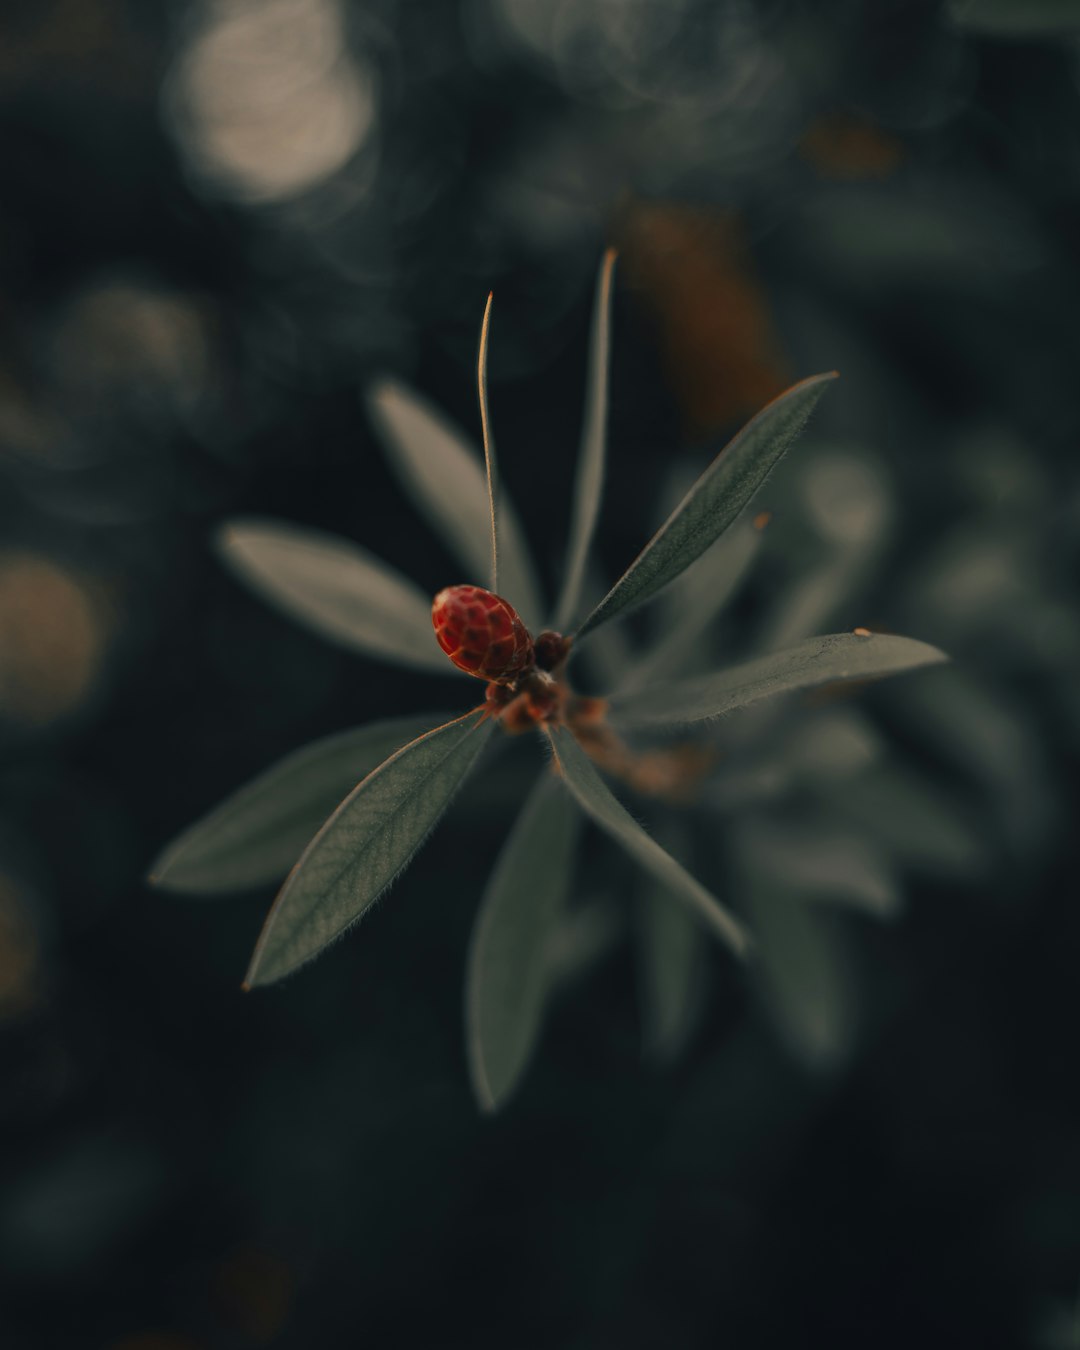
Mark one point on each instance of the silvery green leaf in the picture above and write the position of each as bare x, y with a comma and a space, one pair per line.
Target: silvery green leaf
365, 844
821, 660
508, 969
814, 858
599, 803
846, 498
590, 468
994, 740
914, 820
608, 654
714, 502
834, 745
1017, 18
257, 833
801, 979
706, 587
445, 478
671, 965
585, 935
810, 603
336, 588
803, 983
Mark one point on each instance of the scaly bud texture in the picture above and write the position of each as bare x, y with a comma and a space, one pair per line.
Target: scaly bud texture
482, 634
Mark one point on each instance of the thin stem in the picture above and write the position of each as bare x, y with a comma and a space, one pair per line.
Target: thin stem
489, 440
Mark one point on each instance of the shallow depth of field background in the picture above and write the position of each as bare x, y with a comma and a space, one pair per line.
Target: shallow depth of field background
218, 221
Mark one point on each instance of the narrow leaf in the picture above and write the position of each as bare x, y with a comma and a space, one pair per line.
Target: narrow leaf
590, 468
812, 602
509, 965
714, 502
821, 660
671, 966
803, 982
365, 844
336, 588
912, 818
488, 435
709, 585
256, 834
445, 478
597, 801
814, 859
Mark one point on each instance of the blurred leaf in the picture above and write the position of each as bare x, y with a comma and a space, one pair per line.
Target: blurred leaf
336, 588
670, 949
811, 602
714, 502
257, 833
845, 496
993, 738
709, 584
832, 746
911, 817
590, 469
508, 969
1017, 18
584, 936
814, 859
446, 479
802, 983
365, 844
488, 437
821, 660
598, 802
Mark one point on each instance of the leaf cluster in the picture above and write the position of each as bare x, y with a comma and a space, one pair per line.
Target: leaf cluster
395, 779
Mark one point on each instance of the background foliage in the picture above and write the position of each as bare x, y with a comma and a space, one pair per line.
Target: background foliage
221, 223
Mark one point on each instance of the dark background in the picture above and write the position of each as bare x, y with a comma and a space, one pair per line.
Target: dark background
218, 221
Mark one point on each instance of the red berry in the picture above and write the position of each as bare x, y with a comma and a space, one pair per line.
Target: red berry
481, 633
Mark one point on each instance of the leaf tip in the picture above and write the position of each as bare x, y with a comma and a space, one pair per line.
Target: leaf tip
485, 1098
228, 540
157, 874
478, 1078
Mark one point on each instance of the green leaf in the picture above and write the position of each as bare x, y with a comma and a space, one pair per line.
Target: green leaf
365, 844
590, 468
336, 588
257, 833
508, 967
714, 502
1017, 18
488, 437
821, 660
801, 978
671, 965
708, 585
811, 857
811, 602
597, 801
446, 479
910, 817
